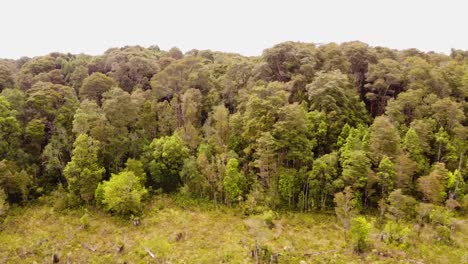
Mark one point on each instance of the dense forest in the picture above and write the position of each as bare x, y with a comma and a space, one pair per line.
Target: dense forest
303, 127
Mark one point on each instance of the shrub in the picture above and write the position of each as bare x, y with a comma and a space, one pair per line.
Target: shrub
441, 216
396, 233
400, 206
268, 217
443, 234
84, 220
122, 194
360, 230
345, 208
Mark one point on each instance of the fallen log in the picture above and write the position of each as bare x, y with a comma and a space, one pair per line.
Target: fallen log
149, 252
93, 249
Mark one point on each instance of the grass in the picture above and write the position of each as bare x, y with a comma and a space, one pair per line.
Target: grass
177, 232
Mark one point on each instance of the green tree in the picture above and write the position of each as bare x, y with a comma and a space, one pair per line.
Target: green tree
289, 184
10, 131
324, 178
291, 135
333, 94
95, 85
122, 194
386, 173
195, 182
6, 77
356, 168
345, 205
136, 166
400, 206
15, 182
412, 145
432, 186
83, 173
234, 181
166, 157
384, 81
384, 139
360, 231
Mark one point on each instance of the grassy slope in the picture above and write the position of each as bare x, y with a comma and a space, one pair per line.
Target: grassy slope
199, 234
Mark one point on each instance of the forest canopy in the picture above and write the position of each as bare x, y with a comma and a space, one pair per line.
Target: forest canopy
288, 129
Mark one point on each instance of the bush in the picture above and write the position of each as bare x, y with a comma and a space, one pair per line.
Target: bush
360, 230
255, 202
400, 206
443, 234
122, 194
268, 217
396, 233
441, 216
84, 220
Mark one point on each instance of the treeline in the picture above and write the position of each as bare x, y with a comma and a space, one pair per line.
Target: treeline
287, 129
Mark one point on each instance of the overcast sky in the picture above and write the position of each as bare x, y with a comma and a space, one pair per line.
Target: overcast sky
33, 27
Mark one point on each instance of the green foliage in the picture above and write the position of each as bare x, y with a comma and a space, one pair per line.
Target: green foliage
10, 131
234, 181
386, 173
443, 234
287, 129
166, 157
84, 220
400, 206
345, 208
6, 77
432, 186
95, 86
83, 172
412, 144
16, 183
136, 166
360, 231
288, 184
396, 233
324, 179
122, 194
384, 139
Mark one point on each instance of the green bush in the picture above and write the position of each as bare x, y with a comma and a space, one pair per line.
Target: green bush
360, 230
396, 233
443, 234
441, 216
84, 220
122, 194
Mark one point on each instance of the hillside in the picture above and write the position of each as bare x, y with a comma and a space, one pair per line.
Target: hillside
179, 232
364, 144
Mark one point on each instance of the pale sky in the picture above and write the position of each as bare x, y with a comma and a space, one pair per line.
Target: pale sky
38, 27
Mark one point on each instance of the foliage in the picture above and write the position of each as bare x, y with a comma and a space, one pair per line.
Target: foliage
83, 172
166, 157
234, 181
396, 233
288, 130
360, 230
345, 208
122, 194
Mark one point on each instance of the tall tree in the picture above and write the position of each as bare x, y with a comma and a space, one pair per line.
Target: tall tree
166, 156
83, 173
95, 86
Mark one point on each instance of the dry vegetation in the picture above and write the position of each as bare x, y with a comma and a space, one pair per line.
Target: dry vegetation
176, 230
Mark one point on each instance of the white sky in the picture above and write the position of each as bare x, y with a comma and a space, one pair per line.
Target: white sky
37, 27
